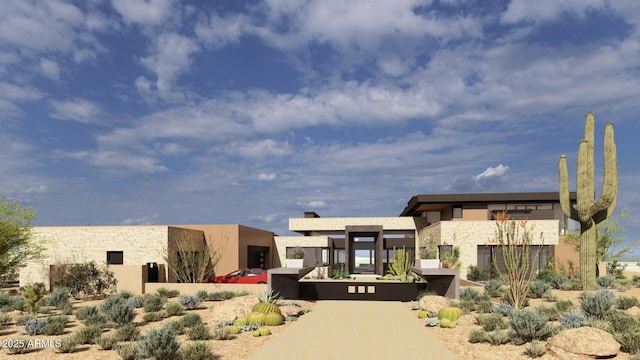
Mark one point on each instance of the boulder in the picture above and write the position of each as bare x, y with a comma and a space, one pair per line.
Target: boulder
583, 341
433, 303
633, 311
291, 311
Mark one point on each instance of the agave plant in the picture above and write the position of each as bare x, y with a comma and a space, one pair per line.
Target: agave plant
270, 296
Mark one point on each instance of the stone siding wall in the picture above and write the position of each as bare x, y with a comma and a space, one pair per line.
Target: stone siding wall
76, 244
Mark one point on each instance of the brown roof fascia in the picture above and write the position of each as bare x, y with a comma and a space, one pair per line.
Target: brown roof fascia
417, 200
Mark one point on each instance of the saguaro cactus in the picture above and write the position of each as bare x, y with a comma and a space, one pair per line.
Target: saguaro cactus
589, 212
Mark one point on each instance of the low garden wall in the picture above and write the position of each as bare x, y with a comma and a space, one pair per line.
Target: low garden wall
190, 289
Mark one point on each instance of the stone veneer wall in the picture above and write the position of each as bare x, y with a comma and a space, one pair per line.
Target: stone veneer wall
283, 242
339, 224
75, 244
469, 234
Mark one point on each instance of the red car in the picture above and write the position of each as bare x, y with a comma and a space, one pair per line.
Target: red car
242, 276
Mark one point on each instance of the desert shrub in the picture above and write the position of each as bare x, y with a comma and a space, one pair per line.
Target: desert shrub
159, 344
68, 344
174, 309
470, 294
493, 288
535, 349
490, 322
629, 341
484, 306
86, 311
166, 293
59, 298
202, 294
117, 310
538, 288
558, 280
601, 324
466, 305
128, 332
503, 308
35, 326
176, 325
88, 334
189, 301
191, 319
198, 332
572, 319
106, 342
222, 333
153, 303
55, 325
85, 280
546, 275
135, 302
623, 322
622, 285
597, 304
550, 311
45, 309
498, 337
564, 305
570, 285
196, 351
20, 320
124, 294
626, 302
635, 280
477, 336
98, 320
550, 296
32, 294
154, 316
5, 319
529, 324
220, 295
606, 281
127, 351
10, 303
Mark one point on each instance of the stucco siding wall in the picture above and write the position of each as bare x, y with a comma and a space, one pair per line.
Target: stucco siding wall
139, 244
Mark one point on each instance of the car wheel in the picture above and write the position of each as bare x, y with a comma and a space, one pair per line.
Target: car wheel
261, 282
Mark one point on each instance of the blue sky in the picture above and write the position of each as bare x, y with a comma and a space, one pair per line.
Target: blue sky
160, 111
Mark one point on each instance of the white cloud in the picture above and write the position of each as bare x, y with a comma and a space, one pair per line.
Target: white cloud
143, 220
78, 109
493, 172
547, 10
36, 189
170, 57
145, 12
267, 176
50, 69
260, 149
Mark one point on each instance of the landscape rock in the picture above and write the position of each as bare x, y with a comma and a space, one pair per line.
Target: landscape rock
633, 311
433, 302
291, 311
583, 341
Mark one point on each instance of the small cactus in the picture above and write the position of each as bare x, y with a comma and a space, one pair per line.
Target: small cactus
422, 314
264, 331
234, 330
273, 319
240, 322
446, 323
266, 308
256, 318
450, 313
256, 333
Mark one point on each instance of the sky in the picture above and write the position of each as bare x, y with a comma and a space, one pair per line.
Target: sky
127, 112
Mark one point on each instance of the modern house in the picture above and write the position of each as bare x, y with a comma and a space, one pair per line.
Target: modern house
136, 254
364, 245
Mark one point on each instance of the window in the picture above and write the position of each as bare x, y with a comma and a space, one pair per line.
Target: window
456, 211
115, 257
313, 256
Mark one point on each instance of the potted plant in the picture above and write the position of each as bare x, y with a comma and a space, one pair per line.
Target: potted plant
296, 258
428, 254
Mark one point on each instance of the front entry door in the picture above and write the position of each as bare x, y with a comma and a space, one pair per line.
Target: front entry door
363, 247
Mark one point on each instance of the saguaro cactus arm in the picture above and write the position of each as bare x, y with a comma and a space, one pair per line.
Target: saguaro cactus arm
606, 204
565, 198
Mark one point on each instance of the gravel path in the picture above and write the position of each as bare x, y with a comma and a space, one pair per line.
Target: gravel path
355, 330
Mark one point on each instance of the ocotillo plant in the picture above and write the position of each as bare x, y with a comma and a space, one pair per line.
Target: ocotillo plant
589, 212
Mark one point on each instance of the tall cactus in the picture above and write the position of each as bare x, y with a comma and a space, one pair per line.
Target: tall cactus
589, 212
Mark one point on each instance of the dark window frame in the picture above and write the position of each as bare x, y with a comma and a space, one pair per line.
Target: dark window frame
115, 257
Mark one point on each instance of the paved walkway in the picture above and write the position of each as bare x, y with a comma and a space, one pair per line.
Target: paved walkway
355, 330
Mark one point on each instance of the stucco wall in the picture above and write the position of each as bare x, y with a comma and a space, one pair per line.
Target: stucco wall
191, 289
75, 244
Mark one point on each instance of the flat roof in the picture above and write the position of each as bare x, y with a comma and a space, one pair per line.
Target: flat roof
423, 199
